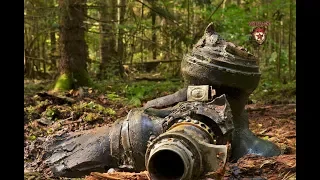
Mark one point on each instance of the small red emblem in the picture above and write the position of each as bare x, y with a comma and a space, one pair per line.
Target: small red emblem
259, 34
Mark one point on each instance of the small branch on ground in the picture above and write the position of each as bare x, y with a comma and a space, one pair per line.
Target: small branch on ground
71, 122
268, 107
56, 99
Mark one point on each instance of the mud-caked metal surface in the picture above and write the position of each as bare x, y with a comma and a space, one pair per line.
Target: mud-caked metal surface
232, 71
124, 144
121, 145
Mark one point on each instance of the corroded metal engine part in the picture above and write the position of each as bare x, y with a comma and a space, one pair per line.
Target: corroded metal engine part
124, 144
217, 62
195, 144
200, 93
230, 70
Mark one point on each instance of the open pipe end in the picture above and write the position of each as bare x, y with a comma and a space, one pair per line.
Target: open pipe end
166, 164
173, 156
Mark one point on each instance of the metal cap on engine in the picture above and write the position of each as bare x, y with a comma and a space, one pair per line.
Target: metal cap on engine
217, 62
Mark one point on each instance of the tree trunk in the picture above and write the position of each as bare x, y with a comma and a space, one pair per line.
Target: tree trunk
24, 62
113, 36
188, 20
154, 35
142, 32
73, 48
173, 39
108, 54
53, 50
268, 43
105, 54
121, 51
44, 55
273, 35
36, 50
28, 65
53, 40
223, 8
279, 52
269, 48
283, 42
290, 38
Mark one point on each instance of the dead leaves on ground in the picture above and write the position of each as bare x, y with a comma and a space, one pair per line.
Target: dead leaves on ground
119, 176
275, 125
271, 168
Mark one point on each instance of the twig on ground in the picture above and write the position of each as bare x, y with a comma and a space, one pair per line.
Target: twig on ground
287, 176
291, 136
268, 107
66, 119
100, 175
147, 174
71, 122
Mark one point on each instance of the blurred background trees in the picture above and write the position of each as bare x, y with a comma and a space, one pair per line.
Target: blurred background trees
78, 42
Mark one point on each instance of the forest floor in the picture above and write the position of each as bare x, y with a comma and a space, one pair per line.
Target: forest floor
46, 114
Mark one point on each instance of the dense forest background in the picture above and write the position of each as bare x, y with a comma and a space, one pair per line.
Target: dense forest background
77, 43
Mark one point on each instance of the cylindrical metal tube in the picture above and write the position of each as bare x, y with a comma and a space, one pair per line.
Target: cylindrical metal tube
171, 160
122, 145
176, 154
79, 154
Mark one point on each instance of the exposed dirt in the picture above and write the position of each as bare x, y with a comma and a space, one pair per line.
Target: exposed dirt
86, 109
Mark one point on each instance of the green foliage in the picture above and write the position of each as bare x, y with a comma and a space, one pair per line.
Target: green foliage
233, 24
32, 112
144, 90
135, 93
139, 55
114, 97
163, 12
31, 86
273, 57
32, 137
94, 108
90, 117
64, 82
272, 90
51, 113
72, 80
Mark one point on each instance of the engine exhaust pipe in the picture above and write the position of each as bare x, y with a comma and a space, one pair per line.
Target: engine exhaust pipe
185, 152
173, 156
170, 162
